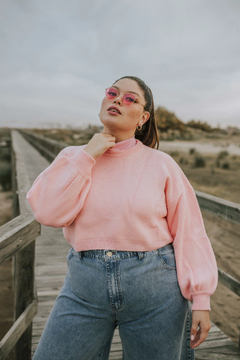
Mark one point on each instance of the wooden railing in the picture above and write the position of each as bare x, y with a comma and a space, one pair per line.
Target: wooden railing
17, 241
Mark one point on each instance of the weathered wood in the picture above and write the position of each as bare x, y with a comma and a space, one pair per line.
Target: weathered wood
24, 293
225, 209
49, 148
206, 356
18, 328
16, 234
17, 237
229, 281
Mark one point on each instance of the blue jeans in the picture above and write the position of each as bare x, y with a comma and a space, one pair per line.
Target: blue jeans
136, 291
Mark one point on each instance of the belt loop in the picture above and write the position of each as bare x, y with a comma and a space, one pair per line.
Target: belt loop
140, 255
80, 254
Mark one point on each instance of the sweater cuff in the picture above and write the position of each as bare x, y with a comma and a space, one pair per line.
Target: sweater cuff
84, 162
201, 302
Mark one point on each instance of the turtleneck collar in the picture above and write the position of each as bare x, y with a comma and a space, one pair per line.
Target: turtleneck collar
125, 144
124, 147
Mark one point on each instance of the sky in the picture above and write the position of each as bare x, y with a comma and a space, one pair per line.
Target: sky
57, 57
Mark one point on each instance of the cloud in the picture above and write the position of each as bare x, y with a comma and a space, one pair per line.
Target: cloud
57, 58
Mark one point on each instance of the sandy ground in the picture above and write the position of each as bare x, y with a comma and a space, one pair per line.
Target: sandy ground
225, 305
224, 238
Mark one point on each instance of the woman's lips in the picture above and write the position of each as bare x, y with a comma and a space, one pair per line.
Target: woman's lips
114, 110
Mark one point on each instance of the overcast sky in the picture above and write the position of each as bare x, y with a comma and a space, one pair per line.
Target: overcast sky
57, 57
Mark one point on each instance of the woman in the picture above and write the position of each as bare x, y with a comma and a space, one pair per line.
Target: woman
140, 252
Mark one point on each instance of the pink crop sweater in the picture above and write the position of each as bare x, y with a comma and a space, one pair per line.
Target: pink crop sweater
132, 198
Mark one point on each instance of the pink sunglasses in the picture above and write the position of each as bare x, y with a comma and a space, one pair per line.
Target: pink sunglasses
128, 99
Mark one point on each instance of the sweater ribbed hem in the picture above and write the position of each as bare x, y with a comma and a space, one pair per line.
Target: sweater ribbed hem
84, 162
201, 302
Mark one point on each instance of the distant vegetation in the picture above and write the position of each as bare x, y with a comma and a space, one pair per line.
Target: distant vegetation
199, 125
167, 120
171, 127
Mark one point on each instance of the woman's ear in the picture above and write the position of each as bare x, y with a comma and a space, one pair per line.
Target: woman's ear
145, 116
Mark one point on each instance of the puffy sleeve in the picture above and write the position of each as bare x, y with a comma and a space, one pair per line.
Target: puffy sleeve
196, 264
58, 193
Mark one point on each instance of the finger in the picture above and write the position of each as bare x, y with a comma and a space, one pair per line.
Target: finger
196, 338
194, 330
201, 336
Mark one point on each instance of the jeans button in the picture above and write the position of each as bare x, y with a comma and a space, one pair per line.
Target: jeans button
109, 254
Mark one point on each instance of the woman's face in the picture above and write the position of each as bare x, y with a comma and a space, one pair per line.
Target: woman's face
130, 116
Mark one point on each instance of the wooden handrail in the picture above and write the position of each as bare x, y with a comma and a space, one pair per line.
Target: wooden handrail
18, 328
225, 209
229, 281
17, 240
16, 234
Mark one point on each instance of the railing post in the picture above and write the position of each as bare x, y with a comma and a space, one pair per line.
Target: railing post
24, 294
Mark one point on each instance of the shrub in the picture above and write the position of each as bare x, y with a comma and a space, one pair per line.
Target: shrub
174, 153
199, 161
5, 154
225, 165
192, 151
222, 154
5, 176
199, 125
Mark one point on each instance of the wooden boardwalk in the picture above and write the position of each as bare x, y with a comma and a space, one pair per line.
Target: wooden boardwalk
51, 268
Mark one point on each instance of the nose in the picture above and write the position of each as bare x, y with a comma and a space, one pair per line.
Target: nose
118, 100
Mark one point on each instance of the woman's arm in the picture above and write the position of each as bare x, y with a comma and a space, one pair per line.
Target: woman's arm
58, 193
195, 260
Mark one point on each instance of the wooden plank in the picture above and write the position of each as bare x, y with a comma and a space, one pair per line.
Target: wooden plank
218, 356
229, 282
24, 294
18, 328
225, 209
16, 234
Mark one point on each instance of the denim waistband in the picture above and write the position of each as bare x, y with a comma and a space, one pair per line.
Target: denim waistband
118, 254
111, 254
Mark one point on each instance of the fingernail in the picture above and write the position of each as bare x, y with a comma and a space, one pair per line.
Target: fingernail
192, 337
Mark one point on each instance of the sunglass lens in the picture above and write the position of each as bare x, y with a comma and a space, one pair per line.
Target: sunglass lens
129, 99
111, 93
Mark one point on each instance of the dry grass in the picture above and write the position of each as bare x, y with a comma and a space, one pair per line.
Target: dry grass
211, 179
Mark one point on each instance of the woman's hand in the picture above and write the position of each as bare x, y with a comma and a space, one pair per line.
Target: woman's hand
200, 318
99, 143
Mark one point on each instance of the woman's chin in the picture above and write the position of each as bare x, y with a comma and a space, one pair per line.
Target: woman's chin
109, 120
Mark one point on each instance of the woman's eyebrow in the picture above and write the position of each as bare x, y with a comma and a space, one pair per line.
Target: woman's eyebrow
132, 92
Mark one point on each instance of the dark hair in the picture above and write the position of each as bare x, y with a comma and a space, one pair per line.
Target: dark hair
148, 135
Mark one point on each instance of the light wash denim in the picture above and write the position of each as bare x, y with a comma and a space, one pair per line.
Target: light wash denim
136, 291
